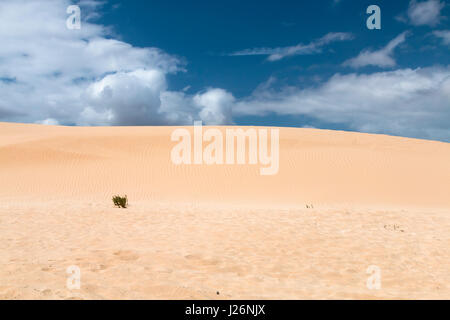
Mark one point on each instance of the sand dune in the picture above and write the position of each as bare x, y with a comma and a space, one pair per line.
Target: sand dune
194, 230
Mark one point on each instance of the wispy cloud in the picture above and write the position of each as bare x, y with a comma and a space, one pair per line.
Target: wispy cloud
313, 47
423, 13
380, 58
406, 102
444, 35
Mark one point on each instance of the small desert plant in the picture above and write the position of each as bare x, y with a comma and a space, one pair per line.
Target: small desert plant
121, 202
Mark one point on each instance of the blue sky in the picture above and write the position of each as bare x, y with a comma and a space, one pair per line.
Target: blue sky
203, 32
227, 62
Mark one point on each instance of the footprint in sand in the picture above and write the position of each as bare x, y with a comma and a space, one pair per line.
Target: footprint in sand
126, 255
99, 267
47, 292
393, 227
193, 257
198, 259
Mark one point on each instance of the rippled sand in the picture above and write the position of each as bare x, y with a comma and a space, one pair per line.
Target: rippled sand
221, 231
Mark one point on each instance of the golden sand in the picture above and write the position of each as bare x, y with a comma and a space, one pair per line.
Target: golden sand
194, 230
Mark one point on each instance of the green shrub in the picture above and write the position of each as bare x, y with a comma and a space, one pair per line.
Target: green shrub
121, 202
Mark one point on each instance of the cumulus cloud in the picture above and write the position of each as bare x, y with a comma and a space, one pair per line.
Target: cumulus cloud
422, 13
215, 105
313, 47
127, 98
50, 74
381, 58
444, 35
407, 102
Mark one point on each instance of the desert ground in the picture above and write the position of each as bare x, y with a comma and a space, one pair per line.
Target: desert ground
340, 203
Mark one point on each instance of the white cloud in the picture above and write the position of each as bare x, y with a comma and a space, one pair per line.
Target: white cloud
425, 12
313, 47
128, 98
444, 35
405, 102
213, 106
50, 74
216, 105
380, 58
